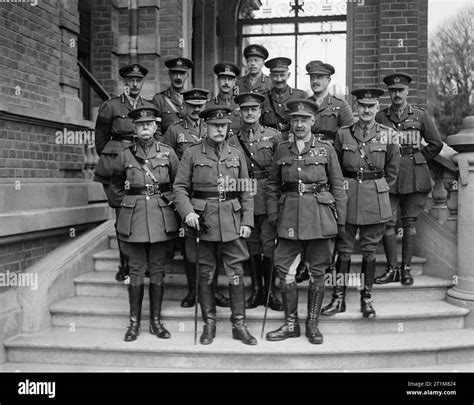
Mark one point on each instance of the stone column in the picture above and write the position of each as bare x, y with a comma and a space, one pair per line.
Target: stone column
462, 293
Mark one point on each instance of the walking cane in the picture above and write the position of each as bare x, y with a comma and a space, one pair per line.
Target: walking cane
198, 234
267, 298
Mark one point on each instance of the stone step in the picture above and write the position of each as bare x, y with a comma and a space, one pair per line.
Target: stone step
105, 347
425, 288
108, 260
462, 367
401, 317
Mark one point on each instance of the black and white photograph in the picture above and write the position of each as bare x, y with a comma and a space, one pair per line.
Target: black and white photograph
270, 192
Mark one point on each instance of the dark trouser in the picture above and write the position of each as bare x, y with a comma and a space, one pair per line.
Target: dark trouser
123, 256
151, 256
369, 238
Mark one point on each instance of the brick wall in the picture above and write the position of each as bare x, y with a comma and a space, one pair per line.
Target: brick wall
30, 54
391, 36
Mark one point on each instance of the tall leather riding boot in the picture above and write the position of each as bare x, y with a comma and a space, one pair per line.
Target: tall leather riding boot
315, 302
291, 327
220, 300
135, 297
408, 248
273, 301
123, 270
255, 268
368, 270
208, 310
392, 271
190, 270
237, 306
338, 300
156, 299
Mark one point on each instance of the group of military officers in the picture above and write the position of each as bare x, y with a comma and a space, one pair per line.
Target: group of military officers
309, 178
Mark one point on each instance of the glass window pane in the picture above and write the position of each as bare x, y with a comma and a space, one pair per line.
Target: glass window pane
268, 29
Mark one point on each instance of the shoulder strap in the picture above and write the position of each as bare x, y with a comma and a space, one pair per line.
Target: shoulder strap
170, 103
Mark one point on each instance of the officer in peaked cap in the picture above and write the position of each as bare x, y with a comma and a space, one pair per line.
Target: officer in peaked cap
169, 102
202, 195
258, 144
180, 136
134, 70
114, 131
146, 226
255, 81
369, 164
333, 112
410, 191
227, 73
275, 113
306, 203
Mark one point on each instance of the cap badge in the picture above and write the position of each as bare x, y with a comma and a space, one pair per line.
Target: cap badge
253, 50
280, 64
219, 114
368, 94
227, 68
179, 62
136, 69
143, 113
396, 79
300, 106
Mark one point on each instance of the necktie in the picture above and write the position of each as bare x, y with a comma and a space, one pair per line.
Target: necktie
251, 135
218, 152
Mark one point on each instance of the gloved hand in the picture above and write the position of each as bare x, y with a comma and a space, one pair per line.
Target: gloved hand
341, 230
273, 220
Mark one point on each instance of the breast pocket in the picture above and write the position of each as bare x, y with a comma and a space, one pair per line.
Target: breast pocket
411, 134
315, 168
378, 152
161, 169
329, 120
134, 174
232, 168
204, 172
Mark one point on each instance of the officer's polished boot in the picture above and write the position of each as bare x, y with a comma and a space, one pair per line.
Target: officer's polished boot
338, 300
220, 300
391, 275
392, 271
208, 310
123, 270
291, 327
408, 247
255, 269
190, 298
237, 306
302, 272
368, 270
156, 298
273, 301
135, 297
405, 276
315, 302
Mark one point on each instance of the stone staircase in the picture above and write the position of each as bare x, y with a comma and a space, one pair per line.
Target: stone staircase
415, 327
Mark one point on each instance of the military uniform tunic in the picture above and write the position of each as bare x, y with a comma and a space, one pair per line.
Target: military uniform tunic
307, 222
261, 143
234, 117
181, 135
333, 113
279, 118
261, 85
201, 170
146, 224
113, 132
171, 108
368, 206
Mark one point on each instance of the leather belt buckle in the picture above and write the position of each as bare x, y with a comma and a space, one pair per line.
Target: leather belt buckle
360, 175
222, 195
150, 189
301, 188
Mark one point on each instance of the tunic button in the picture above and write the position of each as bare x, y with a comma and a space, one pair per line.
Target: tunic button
279, 105
147, 198
299, 169
146, 161
251, 144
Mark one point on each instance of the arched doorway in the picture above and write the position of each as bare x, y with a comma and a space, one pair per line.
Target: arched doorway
302, 31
